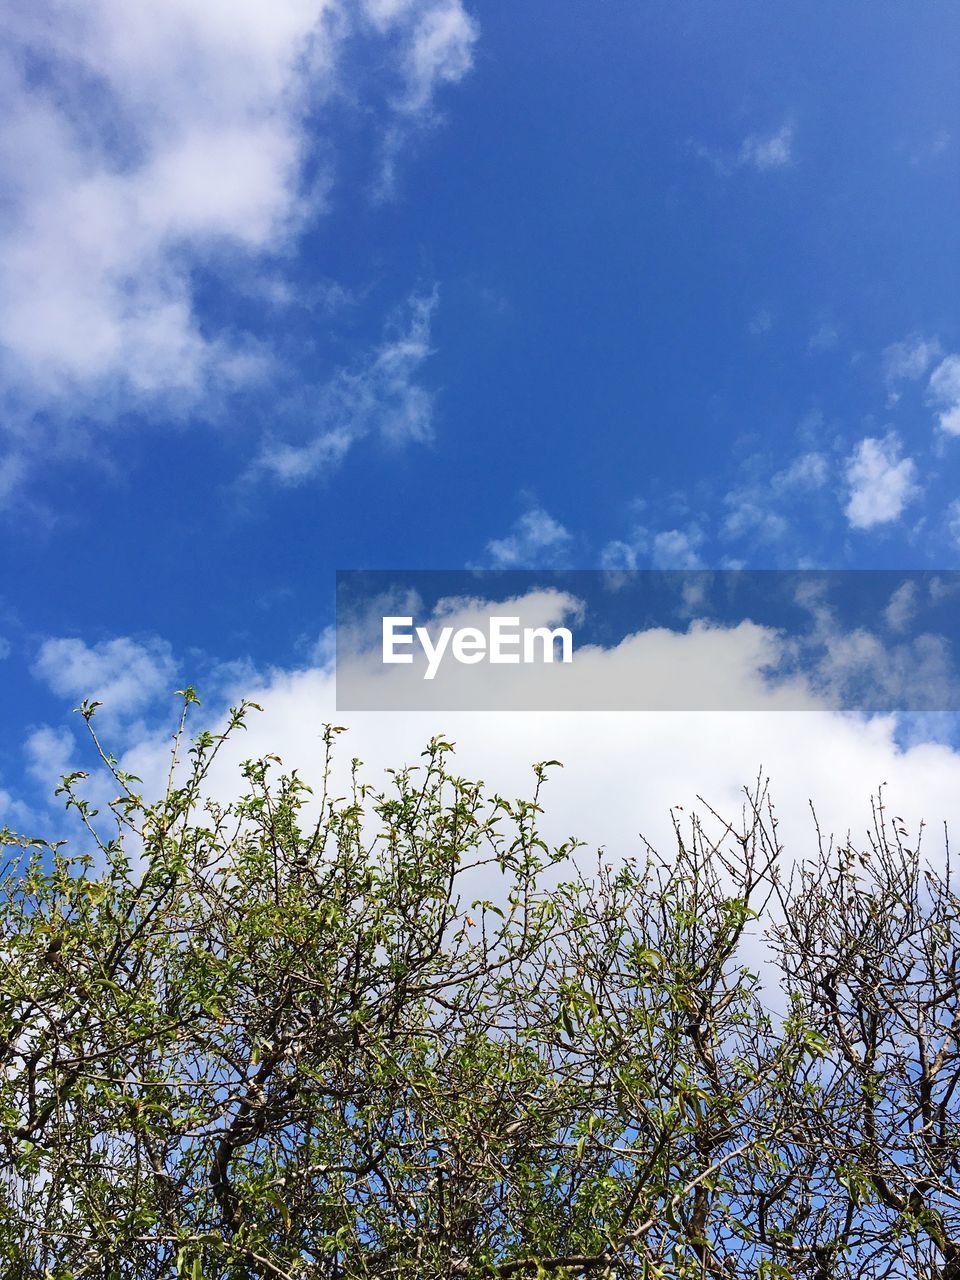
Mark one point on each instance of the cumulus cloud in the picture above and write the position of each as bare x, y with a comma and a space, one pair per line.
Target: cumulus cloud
126, 675
623, 771
139, 142
536, 539
692, 664
379, 394
944, 392
152, 135
881, 482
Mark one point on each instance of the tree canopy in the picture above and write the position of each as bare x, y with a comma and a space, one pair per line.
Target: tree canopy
395, 1034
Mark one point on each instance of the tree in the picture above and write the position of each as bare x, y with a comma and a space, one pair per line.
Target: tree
285, 1037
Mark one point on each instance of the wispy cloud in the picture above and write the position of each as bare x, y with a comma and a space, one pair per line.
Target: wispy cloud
767, 151
677, 548
379, 394
953, 522
902, 607
535, 540
910, 359
663, 549
762, 152
438, 49
766, 510
932, 148
761, 322
944, 392
759, 510
826, 337
907, 361
860, 666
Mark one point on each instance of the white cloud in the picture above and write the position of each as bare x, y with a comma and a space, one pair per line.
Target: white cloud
536, 539
857, 666
440, 47
692, 665
767, 151
756, 510
379, 394
139, 141
666, 549
902, 607
12, 472
677, 549
49, 754
619, 555
295, 463
881, 482
808, 471
18, 815
622, 770
126, 675
944, 391
156, 134
750, 516
953, 522
760, 151
909, 360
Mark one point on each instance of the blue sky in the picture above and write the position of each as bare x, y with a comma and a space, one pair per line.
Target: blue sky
296, 287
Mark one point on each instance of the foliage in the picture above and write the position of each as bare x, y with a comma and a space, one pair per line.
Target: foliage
284, 1037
